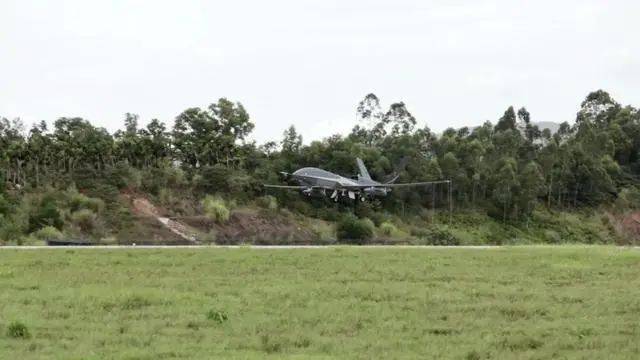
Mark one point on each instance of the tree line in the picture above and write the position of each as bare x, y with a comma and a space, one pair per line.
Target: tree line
506, 169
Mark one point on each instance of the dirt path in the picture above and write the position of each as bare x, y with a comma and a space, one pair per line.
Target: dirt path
143, 206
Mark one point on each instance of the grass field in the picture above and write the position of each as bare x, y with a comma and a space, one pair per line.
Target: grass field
521, 302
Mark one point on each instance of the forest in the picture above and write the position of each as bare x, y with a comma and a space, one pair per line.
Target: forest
73, 179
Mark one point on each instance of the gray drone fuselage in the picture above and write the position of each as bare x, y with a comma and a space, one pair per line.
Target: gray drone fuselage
313, 181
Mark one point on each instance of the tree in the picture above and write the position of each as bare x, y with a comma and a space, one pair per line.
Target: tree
507, 121
211, 136
291, 142
39, 149
531, 183
159, 141
80, 143
368, 111
505, 181
524, 115
128, 143
400, 119
597, 108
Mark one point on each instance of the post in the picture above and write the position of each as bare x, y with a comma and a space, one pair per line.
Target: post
433, 203
450, 203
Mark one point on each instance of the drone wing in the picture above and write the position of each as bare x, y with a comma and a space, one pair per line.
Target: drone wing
416, 183
297, 187
423, 183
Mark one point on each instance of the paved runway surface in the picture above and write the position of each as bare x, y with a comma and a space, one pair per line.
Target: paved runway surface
261, 247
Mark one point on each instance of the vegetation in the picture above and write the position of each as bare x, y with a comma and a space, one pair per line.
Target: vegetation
48, 233
18, 330
342, 302
76, 177
355, 231
216, 209
388, 229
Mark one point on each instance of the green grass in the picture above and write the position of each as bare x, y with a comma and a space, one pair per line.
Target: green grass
523, 302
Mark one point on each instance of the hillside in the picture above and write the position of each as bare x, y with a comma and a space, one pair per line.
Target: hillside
201, 181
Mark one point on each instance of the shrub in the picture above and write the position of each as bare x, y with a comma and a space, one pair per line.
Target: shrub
153, 179
122, 175
388, 229
267, 202
420, 232
46, 215
80, 201
9, 230
552, 237
628, 198
216, 209
240, 185
440, 235
175, 177
213, 179
217, 316
18, 330
48, 233
355, 231
165, 196
85, 220
4, 206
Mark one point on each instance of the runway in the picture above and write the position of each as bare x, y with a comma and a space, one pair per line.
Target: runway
299, 247
256, 247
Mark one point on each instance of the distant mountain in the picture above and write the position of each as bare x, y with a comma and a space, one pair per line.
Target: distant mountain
552, 126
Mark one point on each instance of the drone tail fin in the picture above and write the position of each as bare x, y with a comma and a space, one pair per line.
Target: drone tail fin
362, 170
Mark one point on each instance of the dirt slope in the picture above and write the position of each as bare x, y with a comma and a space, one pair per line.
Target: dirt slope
253, 227
631, 225
244, 226
142, 206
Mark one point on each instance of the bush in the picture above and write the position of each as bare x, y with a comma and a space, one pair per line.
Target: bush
388, 229
552, 237
122, 175
216, 209
441, 236
267, 202
18, 330
211, 179
46, 215
420, 232
165, 197
80, 201
85, 220
217, 316
355, 231
4, 206
48, 233
175, 177
9, 230
628, 198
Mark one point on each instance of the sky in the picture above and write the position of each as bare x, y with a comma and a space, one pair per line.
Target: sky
308, 63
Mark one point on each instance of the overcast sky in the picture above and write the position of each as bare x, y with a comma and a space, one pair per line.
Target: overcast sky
308, 63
